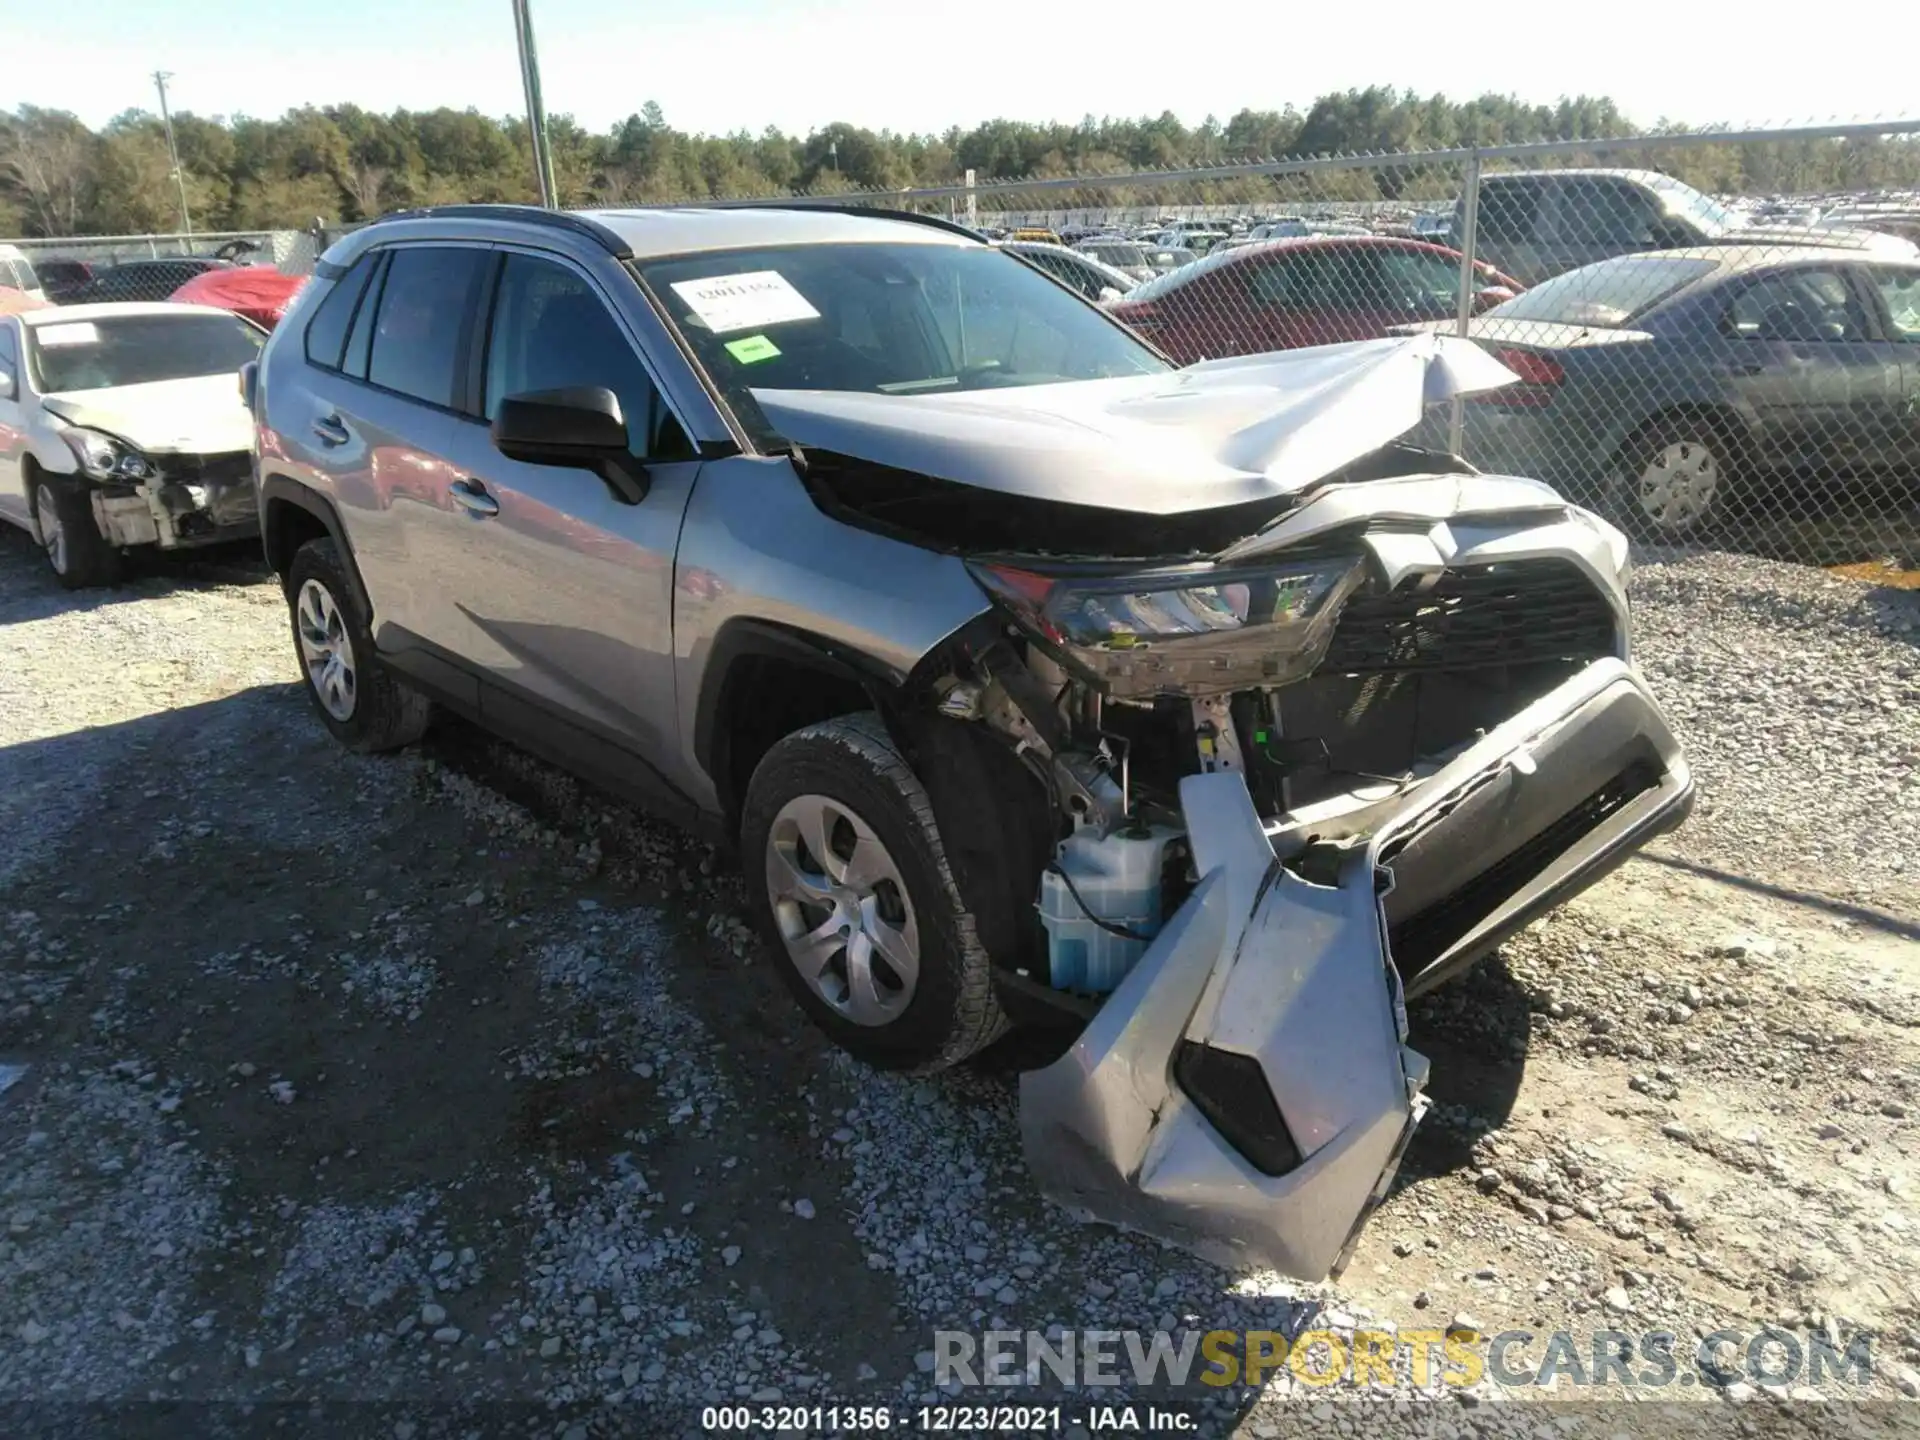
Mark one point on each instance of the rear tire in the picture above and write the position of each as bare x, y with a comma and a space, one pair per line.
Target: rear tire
63, 523
1673, 479
358, 699
852, 886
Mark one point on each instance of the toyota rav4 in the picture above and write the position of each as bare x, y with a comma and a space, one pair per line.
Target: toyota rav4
1032, 677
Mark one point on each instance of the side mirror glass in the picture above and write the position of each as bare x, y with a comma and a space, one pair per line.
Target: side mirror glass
582, 427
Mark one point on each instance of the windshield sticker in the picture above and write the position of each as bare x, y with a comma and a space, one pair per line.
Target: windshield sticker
74, 332
752, 349
744, 302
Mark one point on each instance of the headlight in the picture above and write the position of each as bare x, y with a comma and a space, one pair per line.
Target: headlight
102, 457
1196, 627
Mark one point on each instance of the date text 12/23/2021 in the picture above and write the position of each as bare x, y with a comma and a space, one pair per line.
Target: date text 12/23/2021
960, 1419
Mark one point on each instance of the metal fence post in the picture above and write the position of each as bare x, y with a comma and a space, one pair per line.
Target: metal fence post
1463, 316
536, 107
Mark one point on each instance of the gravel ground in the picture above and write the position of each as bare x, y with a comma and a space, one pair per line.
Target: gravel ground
434, 1078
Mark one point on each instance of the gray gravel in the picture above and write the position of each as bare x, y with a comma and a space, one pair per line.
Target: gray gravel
1797, 695
436, 1076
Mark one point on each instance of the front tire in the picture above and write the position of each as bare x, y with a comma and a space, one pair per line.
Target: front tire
358, 699
76, 551
851, 884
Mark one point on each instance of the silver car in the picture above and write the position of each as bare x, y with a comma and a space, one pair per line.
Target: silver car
1035, 680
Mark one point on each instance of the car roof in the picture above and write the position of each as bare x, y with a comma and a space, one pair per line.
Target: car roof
1733, 259
676, 230
1515, 177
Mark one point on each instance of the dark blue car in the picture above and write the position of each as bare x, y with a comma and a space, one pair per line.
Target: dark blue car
1667, 386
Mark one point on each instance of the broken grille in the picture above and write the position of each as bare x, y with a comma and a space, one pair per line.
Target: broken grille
1480, 615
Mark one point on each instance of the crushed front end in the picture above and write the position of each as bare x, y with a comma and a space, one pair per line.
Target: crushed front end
1331, 766
178, 501
1314, 719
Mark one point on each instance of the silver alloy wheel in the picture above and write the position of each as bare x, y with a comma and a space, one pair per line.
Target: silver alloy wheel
1677, 485
326, 650
53, 535
843, 910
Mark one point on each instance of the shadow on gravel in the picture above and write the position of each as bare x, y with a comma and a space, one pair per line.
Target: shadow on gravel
148, 575
1865, 915
1475, 1033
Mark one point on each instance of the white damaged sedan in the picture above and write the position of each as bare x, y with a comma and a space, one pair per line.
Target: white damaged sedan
123, 425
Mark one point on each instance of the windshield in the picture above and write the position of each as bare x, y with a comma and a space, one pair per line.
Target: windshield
1607, 294
896, 319
1684, 200
138, 350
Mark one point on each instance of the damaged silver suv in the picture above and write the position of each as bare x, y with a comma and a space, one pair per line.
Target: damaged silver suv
1034, 678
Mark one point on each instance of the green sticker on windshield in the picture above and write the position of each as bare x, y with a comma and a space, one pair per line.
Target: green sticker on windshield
752, 349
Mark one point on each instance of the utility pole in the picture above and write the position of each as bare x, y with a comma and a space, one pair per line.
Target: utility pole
160, 78
536, 110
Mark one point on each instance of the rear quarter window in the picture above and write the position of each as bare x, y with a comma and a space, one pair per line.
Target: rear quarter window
327, 330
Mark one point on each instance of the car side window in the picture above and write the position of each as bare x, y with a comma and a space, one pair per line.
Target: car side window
327, 331
1419, 282
1284, 283
1900, 294
424, 307
1593, 210
552, 331
1797, 305
9, 363
1507, 213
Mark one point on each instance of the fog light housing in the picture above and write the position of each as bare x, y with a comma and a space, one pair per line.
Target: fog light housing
1231, 1090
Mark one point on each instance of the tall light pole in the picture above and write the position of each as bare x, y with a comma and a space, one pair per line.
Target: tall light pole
160, 78
536, 111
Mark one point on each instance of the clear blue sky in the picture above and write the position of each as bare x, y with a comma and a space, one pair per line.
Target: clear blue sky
720, 65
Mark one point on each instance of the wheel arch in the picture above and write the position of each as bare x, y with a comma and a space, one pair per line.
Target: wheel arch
809, 679
291, 514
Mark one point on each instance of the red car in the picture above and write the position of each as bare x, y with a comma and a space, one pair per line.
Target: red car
257, 293
1311, 290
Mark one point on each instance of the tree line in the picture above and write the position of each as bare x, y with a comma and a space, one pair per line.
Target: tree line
342, 163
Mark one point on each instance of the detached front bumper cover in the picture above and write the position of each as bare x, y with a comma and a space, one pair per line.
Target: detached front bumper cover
1265, 963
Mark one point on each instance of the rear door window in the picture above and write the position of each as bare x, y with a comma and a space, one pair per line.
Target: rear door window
425, 312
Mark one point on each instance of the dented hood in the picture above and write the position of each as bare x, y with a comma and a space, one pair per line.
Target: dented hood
1224, 432
198, 415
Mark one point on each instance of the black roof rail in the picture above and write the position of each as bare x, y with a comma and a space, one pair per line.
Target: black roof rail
607, 238
844, 208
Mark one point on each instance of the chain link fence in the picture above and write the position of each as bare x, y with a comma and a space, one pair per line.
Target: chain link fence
1733, 361
94, 268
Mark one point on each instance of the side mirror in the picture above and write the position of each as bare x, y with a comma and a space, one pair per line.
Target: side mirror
1490, 296
249, 383
582, 427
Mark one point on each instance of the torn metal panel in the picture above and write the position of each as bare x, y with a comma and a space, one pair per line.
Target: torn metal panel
1297, 975
1226, 432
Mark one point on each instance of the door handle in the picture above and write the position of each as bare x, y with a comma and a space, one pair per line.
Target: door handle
332, 430
472, 497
